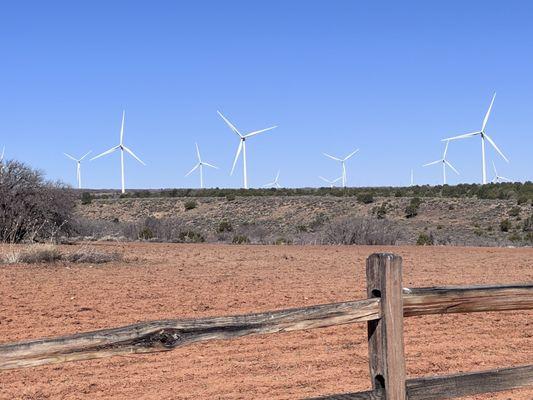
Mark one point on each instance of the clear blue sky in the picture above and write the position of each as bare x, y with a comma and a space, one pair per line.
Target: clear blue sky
390, 78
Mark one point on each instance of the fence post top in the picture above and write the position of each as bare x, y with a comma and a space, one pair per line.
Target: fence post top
390, 256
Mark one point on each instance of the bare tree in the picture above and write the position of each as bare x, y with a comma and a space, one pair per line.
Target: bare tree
31, 208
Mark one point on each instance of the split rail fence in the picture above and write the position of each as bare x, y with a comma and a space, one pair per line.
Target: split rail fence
383, 311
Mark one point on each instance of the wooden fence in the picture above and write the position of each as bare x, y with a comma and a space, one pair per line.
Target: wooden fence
383, 311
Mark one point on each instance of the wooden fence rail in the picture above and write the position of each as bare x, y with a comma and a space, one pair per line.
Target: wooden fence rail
384, 309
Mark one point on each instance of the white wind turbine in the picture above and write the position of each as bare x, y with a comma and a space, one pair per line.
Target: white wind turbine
412, 177
242, 146
445, 163
343, 163
483, 137
200, 165
331, 182
122, 147
498, 178
78, 166
274, 183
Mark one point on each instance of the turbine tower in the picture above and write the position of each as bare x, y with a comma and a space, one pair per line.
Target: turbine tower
242, 146
200, 165
343, 163
78, 166
498, 178
484, 137
444, 162
331, 182
274, 183
122, 147
412, 177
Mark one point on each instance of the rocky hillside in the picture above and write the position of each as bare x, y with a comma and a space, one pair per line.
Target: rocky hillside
302, 219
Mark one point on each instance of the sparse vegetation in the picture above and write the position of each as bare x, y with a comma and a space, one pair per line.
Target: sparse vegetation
411, 210
49, 253
224, 226
190, 204
357, 230
240, 239
365, 198
425, 240
191, 237
505, 225
86, 198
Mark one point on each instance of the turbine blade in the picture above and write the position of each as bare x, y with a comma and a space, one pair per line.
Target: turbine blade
350, 155
122, 127
277, 175
198, 152
488, 113
239, 149
192, 170
452, 167
338, 179
229, 124
432, 163
333, 158
503, 178
466, 135
85, 155
325, 180
495, 147
68, 155
133, 155
259, 131
446, 149
111, 150
209, 165
494, 168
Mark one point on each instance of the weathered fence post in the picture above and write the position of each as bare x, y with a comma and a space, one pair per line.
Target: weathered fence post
385, 336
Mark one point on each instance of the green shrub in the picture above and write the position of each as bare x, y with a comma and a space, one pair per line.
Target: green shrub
412, 209
365, 198
281, 241
425, 240
191, 237
505, 225
146, 234
240, 239
528, 224
522, 200
381, 211
514, 212
224, 226
230, 197
86, 198
515, 237
190, 204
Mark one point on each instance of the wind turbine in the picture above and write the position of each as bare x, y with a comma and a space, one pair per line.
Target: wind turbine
274, 183
343, 163
445, 163
201, 166
78, 166
412, 177
498, 178
483, 137
122, 147
331, 182
242, 146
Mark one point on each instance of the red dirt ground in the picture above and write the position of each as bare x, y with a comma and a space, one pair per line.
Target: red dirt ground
160, 281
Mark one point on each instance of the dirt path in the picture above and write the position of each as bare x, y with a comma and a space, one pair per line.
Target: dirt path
167, 281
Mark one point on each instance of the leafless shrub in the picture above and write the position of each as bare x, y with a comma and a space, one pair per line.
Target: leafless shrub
90, 255
31, 208
358, 230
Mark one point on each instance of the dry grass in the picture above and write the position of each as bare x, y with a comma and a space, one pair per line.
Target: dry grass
49, 253
33, 254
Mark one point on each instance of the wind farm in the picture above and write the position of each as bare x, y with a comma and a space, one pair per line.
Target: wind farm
266, 200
